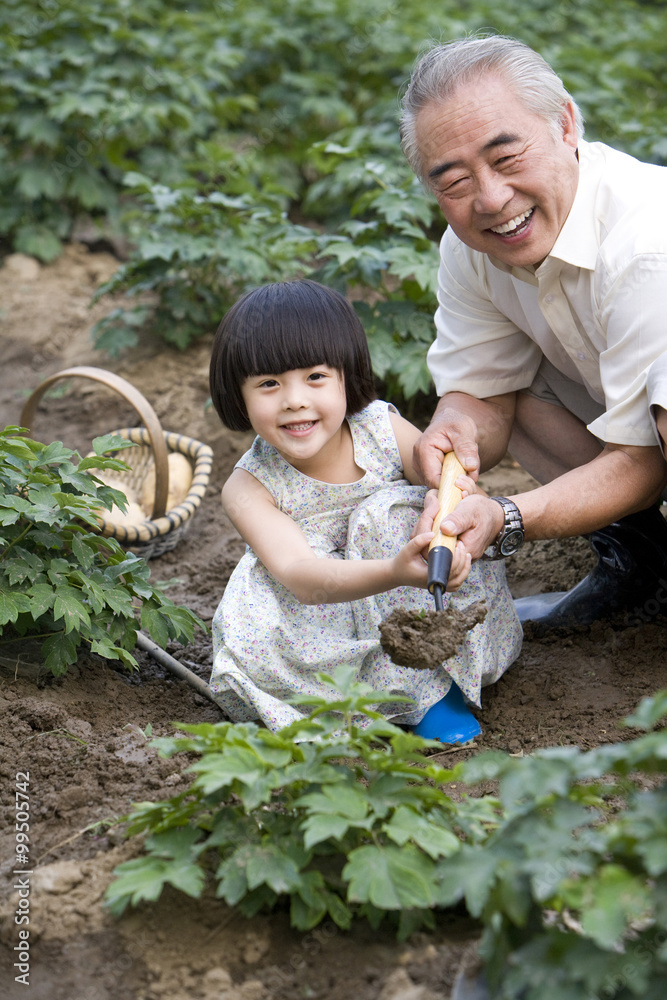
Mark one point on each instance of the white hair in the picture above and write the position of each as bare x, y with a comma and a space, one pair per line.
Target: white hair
444, 68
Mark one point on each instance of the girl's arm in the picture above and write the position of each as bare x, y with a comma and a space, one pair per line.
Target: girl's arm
282, 547
406, 436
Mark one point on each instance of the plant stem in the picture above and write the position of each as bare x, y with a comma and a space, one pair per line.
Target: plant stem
16, 540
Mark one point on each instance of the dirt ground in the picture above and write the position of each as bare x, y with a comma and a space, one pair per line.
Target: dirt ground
81, 737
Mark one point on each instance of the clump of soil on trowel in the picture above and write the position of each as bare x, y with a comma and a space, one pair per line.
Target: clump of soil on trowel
424, 640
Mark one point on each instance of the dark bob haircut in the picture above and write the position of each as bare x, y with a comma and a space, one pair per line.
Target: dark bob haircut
287, 325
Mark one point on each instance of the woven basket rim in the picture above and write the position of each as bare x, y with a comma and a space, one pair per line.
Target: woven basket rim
150, 530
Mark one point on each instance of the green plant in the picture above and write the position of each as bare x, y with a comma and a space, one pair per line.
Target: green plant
342, 818
205, 245
384, 254
93, 88
571, 884
59, 581
237, 143
566, 868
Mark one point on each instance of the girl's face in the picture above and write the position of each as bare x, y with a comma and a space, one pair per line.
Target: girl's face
300, 412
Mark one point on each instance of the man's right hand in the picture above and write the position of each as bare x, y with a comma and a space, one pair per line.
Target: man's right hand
450, 430
478, 430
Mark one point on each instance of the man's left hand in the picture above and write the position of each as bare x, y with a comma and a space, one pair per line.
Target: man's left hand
477, 521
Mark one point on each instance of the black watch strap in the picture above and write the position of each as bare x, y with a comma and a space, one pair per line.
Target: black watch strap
511, 535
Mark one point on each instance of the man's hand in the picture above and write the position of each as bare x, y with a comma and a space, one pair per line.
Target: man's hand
450, 430
462, 558
478, 430
477, 521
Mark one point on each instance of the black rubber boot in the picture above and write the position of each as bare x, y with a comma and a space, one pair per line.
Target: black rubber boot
631, 576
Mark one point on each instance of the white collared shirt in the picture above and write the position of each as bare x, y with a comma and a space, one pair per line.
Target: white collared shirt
596, 307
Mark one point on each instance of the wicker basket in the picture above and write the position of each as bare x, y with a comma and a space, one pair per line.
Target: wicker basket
164, 528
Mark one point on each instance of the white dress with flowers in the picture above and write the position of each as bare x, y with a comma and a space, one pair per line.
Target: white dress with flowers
268, 647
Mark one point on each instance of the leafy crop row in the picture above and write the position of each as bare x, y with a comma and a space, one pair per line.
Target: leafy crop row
566, 869
238, 142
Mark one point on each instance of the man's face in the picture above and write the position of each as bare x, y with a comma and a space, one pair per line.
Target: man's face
503, 182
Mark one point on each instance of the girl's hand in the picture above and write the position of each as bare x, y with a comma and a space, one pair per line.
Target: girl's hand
411, 569
469, 487
461, 563
408, 565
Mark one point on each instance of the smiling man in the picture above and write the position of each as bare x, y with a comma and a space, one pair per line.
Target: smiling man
552, 312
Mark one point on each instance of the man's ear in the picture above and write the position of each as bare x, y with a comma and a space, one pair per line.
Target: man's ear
568, 125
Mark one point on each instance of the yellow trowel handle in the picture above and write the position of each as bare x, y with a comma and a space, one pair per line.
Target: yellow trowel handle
441, 547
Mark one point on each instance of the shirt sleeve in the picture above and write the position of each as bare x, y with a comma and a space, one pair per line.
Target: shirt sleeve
477, 349
633, 315
656, 386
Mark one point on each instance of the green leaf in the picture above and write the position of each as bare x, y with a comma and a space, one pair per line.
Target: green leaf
36, 181
232, 879
119, 600
106, 443
106, 648
309, 904
268, 865
68, 605
390, 878
42, 596
154, 623
171, 861
38, 241
60, 652
338, 911
320, 828
649, 713
406, 824
11, 605
611, 900
405, 262
15, 503
348, 801
84, 549
218, 770
25, 565
468, 874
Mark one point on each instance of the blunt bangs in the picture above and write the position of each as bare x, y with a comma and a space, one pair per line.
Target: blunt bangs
283, 326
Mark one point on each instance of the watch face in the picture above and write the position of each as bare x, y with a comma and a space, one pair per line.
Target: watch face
511, 542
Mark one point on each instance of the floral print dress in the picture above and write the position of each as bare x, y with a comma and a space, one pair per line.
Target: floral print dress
268, 647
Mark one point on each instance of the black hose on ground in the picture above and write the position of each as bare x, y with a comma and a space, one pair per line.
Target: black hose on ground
174, 666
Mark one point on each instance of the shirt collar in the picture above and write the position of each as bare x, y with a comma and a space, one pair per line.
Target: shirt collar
577, 242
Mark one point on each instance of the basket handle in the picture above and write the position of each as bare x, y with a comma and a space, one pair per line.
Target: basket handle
141, 405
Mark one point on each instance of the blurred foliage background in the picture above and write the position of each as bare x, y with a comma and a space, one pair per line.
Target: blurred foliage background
231, 143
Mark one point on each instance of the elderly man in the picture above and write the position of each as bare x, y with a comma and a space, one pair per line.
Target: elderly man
552, 314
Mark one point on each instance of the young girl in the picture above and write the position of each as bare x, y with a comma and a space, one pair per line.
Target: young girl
326, 499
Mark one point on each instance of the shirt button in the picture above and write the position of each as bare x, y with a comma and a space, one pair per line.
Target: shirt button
581, 355
548, 298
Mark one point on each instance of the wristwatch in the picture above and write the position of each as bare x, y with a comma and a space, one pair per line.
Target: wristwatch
511, 534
